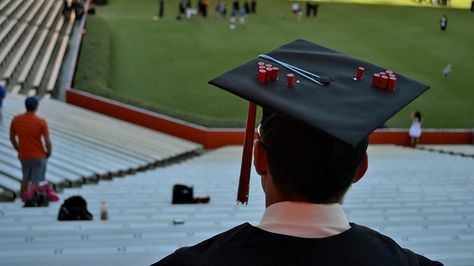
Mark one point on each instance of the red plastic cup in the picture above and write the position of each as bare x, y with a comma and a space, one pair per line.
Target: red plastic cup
261, 67
392, 76
383, 82
275, 73
290, 78
383, 73
388, 71
268, 66
392, 83
262, 76
269, 73
376, 80
360, 73
261, 63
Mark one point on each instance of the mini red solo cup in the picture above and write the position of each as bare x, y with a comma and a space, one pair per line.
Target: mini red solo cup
268, 66
290, 78
392, 76
392, 83
383, 73
262, 76
275, 73
360, 73
388, 71
261, 67
376, 80
260, 63
383, 82
269, 73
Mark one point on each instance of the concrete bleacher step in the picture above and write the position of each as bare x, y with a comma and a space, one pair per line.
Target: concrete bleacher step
19, 54
32, 57
6, 30
11, 9
32, 13
52, 16
13, 41
22, 11
460, 150
10, 188
37, 79
4, 4
44, 13
57, 65
2, 19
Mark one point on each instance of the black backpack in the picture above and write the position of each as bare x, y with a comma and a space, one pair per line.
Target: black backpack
183, 194
74, 208
37, 199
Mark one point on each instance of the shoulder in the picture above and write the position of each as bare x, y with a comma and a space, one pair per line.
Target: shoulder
213, 251
40, 120
372, 237
387, 245
17, 118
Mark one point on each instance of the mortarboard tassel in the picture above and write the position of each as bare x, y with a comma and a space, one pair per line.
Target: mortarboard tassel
243, 191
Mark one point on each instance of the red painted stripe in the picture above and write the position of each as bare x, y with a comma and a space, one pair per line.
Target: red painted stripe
217, 137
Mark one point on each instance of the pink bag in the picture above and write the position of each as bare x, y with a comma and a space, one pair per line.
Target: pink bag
49, 191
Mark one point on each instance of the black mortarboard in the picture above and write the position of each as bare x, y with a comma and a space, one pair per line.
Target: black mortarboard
326, 96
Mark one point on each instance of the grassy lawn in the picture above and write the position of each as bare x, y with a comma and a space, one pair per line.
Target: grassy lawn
165, 65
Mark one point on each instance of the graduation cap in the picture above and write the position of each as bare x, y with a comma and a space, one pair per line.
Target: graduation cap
333, 93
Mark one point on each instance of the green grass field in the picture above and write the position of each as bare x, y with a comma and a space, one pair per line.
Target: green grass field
165, 65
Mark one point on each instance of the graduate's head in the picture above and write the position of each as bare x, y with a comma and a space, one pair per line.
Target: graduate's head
318, 111
306, 164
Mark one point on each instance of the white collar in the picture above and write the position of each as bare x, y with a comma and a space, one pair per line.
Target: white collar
304, 219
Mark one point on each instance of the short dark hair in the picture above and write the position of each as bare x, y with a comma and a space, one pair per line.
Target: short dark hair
31, 103
417, 115
308, 164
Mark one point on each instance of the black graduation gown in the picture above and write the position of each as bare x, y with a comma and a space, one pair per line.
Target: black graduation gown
250, 245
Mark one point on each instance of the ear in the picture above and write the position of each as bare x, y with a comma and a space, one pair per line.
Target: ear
364, 165
260, 158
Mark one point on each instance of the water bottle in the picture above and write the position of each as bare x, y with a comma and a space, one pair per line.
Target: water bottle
103, 211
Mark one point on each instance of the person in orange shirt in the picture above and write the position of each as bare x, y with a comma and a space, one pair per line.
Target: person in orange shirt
30, 137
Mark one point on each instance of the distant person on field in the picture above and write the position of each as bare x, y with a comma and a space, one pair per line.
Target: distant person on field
415, 129
29, 135
311, 8
221, 9
447, 71
253, 6
472, 6
296, 9
161, 10
243, 16
3, 94
189, 9
443, 23
233, 15
247, 7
